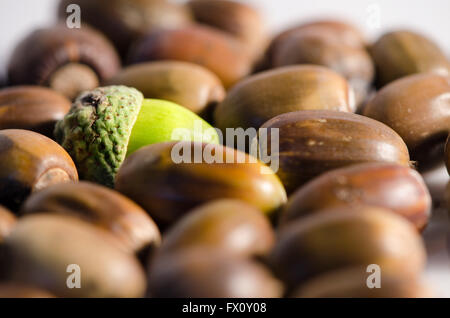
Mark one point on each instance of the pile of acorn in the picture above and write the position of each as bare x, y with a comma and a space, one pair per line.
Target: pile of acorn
358, 125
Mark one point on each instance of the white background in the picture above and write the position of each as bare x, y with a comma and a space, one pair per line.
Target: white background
431, 17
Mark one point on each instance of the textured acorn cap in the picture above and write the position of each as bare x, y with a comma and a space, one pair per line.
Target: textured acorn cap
97, 130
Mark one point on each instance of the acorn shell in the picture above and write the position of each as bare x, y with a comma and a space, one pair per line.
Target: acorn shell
32, 108
393, 187
167, 188
30, 162
7, 223
314, 142
14, 290
263, 96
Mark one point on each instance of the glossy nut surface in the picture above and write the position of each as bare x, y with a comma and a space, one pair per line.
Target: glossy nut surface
124, 21
335, 240
14, 290
393, 187
68, 60
186, 84
263, 96
416, 107
167, 190
314, 142
41, 247
7, 223
229, 225
30, 162
238, 19
100, 206
203, 273
402, 53
216, 50
352, 283
319, 47
32, 108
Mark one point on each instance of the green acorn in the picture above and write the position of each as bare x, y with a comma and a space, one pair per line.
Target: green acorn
108, 123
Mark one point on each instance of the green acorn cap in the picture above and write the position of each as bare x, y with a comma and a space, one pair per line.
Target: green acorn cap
104, 122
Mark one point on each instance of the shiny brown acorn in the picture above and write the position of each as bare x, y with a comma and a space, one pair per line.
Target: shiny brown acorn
100, 206
314, 142
14, 290
320, 47
348, 237
229, 225
125, 21
168, 179
42, 247
402, 53
205, 273
416, 107
239, 19
7, 223
390, 186
263, 96
32, 108
68, 60
352, 283
30, 162
185, 84
219, 52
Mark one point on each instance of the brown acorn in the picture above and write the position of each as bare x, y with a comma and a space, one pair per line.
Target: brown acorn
32, 108
229, 225
30, 162
320, 47
186, 84
314, 142
124, 21
239, 19
14, 290
45, 249
263, 96
353, 283
7, 223
68, 60
393, 187
402, 53
100, 206
329, 241
205, 273
169, 179
416, 107
219, 52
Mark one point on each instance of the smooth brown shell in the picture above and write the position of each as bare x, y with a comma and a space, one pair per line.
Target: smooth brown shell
100, 206
352, 283
45, 51
204, 273
416, 107
7, 223
229, 225
316, 46
238, 19
30, 162
42, 246
393, 187
124, 21
216, 50
14, 290
314, 142
32, 108
167, 190
263, 96
335, 240
186, 84
402, 53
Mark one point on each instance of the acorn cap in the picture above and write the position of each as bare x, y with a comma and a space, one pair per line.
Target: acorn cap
97, 130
